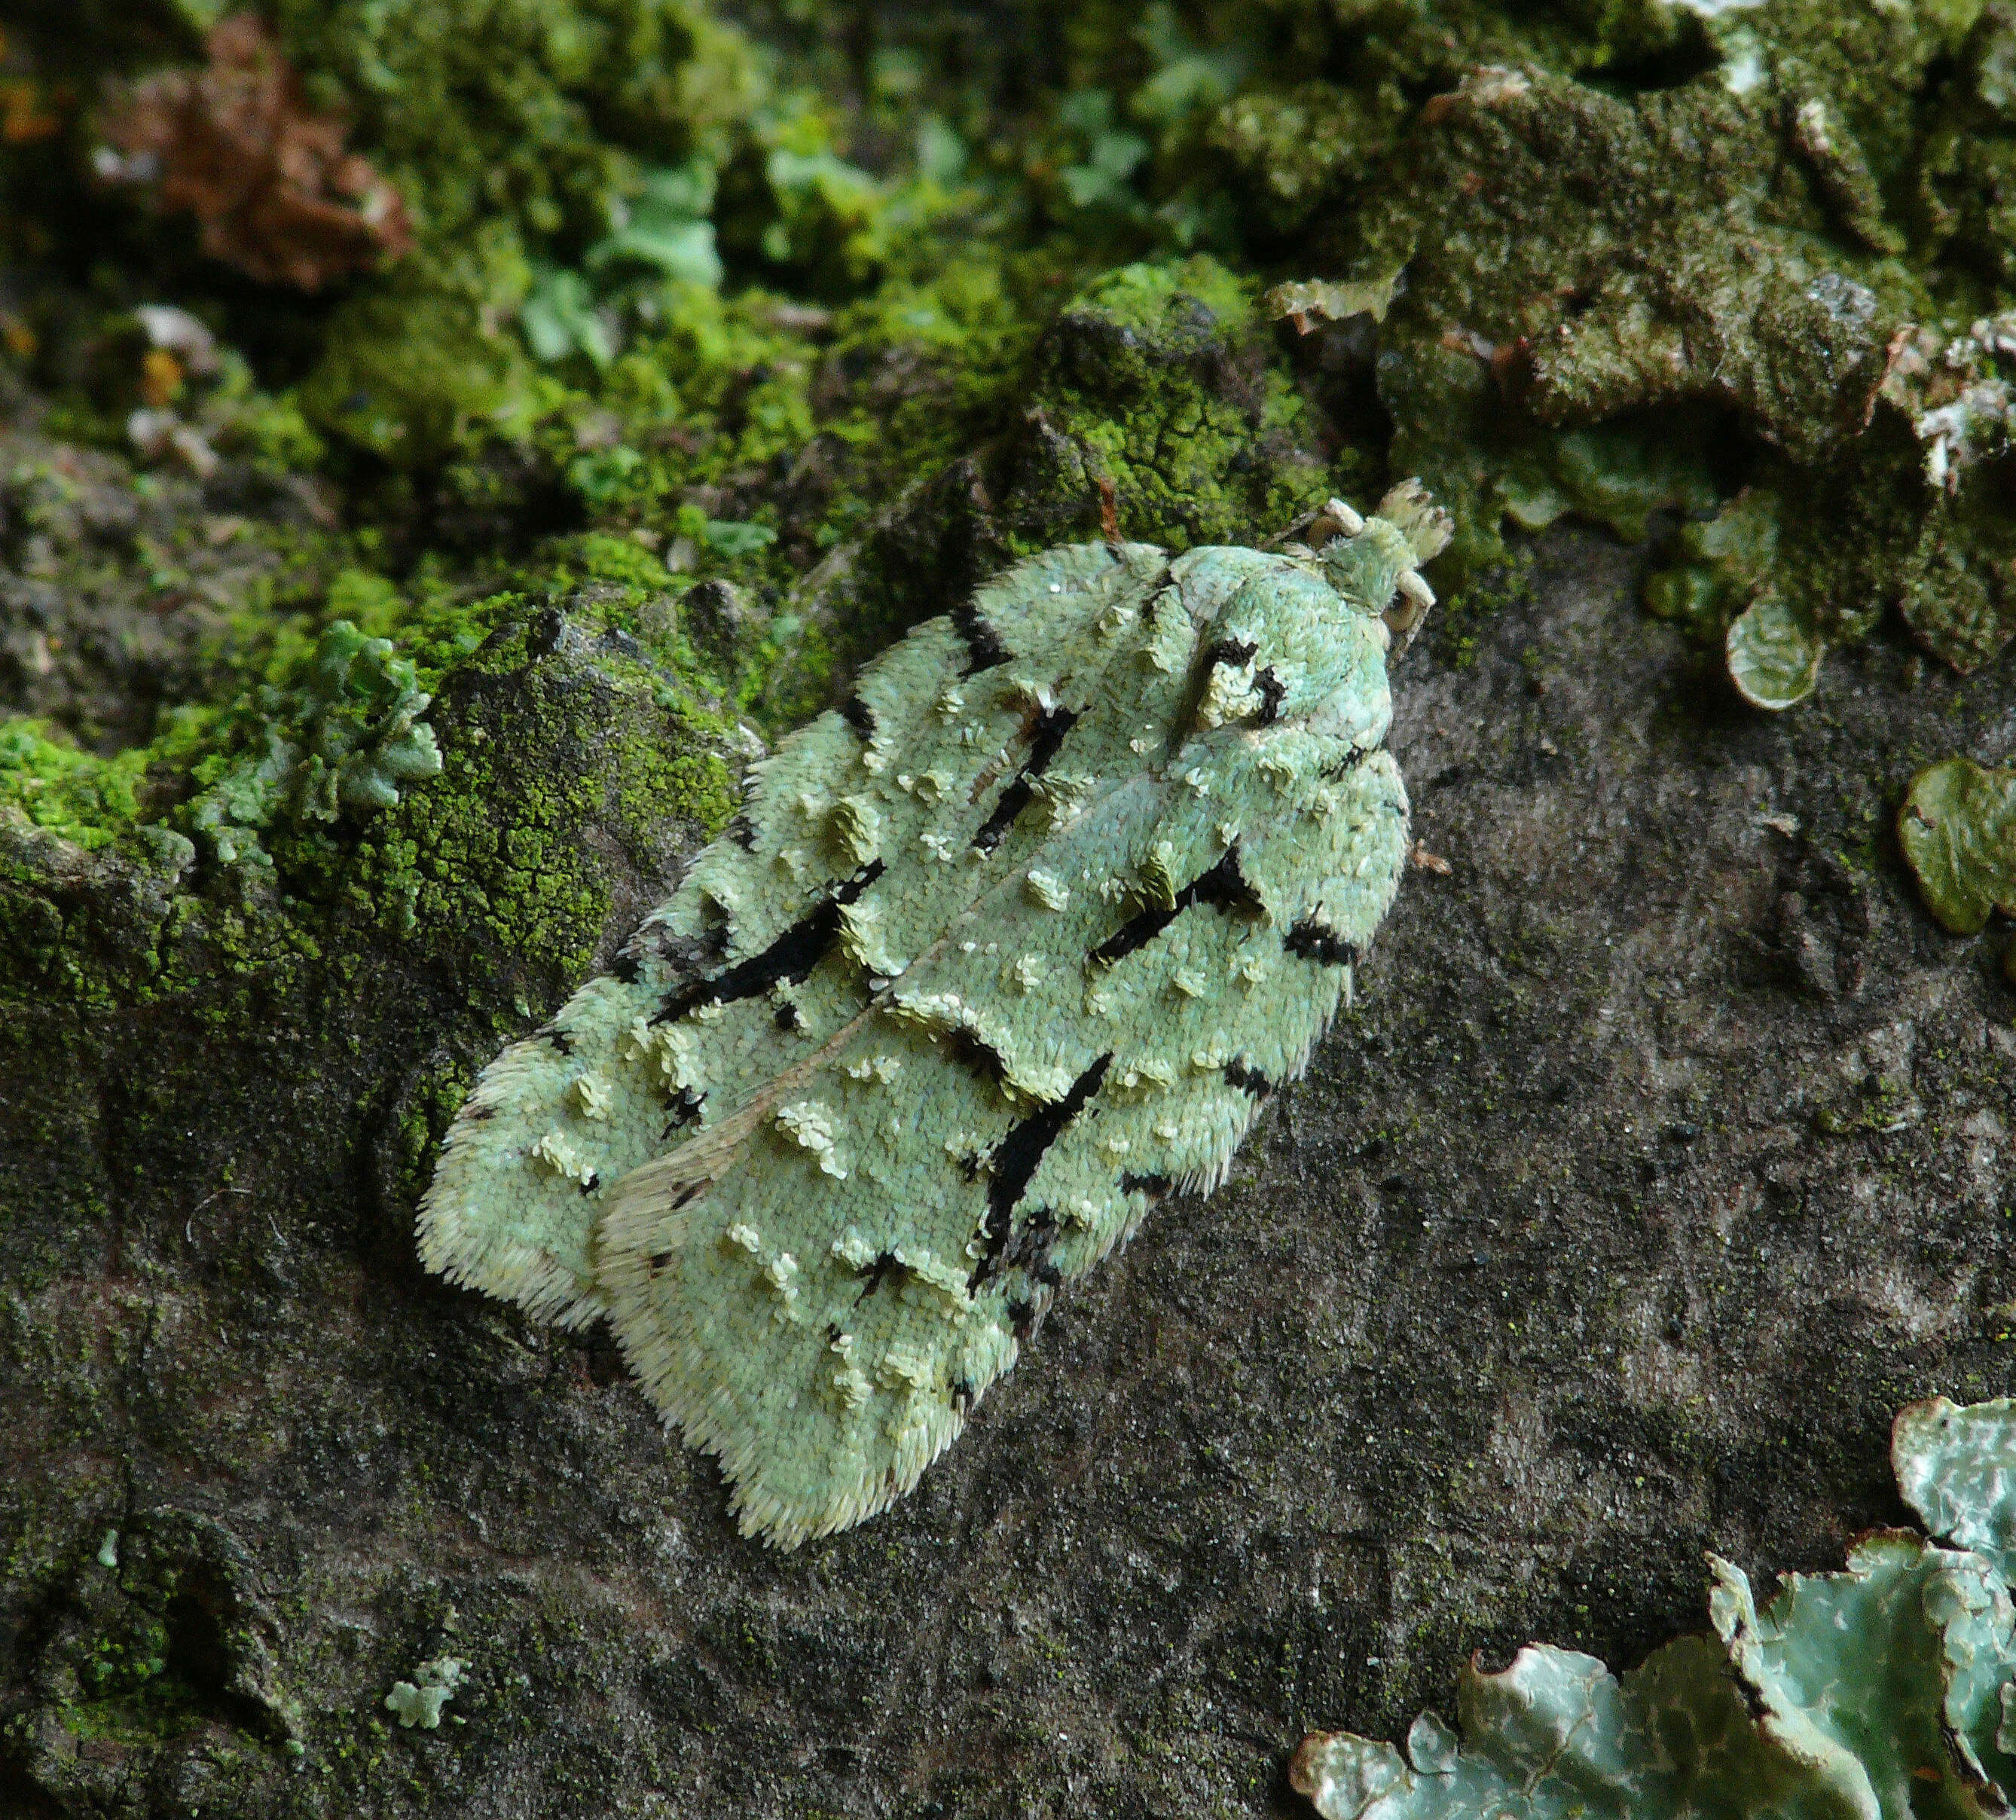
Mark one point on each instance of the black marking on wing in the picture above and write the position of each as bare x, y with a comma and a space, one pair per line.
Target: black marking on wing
1223, 887
789, 959
594, 1181
789, 1018
878, 1273
1014, 800
859, 715
1154, 1187
977, 1055
742, 831
1027, 1249
659, 1261
476, 1112
557, 1036
1354, 756
1049, 734
687, 954
1240, 1073
962, 1394
1231, 652
1273, 691
684, 1109
983, 647
1317, 941
1015, 1159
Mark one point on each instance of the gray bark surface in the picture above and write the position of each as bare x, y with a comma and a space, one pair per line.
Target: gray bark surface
1665, 1155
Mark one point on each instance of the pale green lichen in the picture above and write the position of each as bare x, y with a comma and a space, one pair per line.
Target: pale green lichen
346, 736
419, 1702
1773, 657
1957, 827
1888, 1690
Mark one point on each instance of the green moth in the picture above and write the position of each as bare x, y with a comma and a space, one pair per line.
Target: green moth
1002, 950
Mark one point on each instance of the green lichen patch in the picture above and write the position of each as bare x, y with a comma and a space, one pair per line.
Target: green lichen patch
345, 737
1878, 1690
1957, 827
1953, 1468
420, 1701
1158, 402
131, 591
1773, 657
174, 1640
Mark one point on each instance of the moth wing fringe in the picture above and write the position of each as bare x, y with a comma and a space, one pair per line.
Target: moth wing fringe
671, 1362
453, 1246
788, 1521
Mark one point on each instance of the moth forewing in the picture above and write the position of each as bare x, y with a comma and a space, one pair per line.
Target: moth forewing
1015, 942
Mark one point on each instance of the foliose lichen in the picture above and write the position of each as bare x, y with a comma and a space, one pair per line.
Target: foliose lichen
1888, 1690
1957, 828
345, 737
420, 1701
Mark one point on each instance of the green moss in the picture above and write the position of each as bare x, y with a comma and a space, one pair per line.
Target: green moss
76, 795
1159, 381
623, 214
411, 377
128, 1693
514, 131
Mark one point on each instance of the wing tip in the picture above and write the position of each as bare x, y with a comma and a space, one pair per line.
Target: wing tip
508, 1269
671, 1366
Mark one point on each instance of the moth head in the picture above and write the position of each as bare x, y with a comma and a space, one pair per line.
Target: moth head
1375, 563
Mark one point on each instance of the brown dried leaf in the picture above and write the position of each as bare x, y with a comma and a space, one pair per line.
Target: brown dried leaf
266, 176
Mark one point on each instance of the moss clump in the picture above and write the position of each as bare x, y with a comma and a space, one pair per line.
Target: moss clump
1530, 284
1159, 381
515, 132
491, 853
76, 795
1718, 264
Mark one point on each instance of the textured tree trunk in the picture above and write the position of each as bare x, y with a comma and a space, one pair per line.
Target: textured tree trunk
1665, 1154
